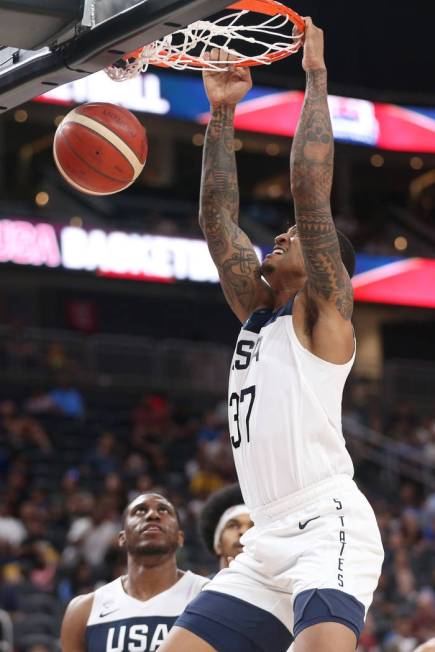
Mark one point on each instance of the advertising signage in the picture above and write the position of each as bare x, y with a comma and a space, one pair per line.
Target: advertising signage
143, 257
264, 110
114, 254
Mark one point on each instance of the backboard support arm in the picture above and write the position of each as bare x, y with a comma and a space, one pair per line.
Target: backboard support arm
92, 49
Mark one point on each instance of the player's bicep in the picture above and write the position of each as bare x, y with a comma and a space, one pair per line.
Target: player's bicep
72, 636
334, 293
329, 327
328, 283
326, 321
239, 269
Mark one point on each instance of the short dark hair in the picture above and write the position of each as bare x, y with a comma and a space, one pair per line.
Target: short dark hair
217, 503
346, 250
347, 253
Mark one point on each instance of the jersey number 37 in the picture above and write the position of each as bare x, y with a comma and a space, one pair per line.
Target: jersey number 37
242, 406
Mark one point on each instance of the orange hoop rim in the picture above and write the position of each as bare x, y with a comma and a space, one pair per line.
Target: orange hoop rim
270, 8
266, 7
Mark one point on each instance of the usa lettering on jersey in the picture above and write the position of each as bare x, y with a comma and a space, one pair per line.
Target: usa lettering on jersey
136, 638
246, 352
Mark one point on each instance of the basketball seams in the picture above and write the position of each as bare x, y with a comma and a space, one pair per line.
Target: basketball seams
76, 185
93, 167
109, 136
96, 118
99, 151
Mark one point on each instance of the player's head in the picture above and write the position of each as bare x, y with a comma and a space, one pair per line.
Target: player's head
286, 262
222, 522
151, 527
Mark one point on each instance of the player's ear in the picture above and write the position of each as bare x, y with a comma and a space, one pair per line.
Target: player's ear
121, 539
180, 538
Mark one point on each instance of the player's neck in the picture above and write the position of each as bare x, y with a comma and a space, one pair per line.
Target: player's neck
283, 295
285, 287
144, 580
223, 563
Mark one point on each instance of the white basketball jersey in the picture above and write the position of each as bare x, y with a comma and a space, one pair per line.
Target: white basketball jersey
121, 623
284, 411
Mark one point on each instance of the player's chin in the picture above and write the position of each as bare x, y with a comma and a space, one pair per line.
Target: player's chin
153, 548
267, 267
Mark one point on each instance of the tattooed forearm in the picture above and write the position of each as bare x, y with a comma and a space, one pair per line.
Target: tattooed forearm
230, 248
240, 275
312, 156
312, 162
219, 198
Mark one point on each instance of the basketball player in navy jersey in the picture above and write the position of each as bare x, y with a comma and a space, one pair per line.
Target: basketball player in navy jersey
136, 611
312, 559
224, 519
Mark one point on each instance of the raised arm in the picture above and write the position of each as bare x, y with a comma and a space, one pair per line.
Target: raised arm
312, 160
230, 248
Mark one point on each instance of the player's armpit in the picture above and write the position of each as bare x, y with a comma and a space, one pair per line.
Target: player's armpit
322, 330
73, 630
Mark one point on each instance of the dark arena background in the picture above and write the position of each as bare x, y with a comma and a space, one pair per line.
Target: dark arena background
115, 339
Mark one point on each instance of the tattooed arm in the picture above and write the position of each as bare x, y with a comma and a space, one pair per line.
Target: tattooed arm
328, 291
230, 247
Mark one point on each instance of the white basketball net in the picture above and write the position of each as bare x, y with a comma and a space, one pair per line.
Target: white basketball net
186, 48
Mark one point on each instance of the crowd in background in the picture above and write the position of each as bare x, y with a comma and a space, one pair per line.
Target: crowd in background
68, 467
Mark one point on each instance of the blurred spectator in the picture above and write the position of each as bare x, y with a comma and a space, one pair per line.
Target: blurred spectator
152, 412
90, 536
209, 431
424, 616
103, 459
56, 359
368, 641
67, 399
40, 402
427, 435
22, 430
12, 530
204, 481
401, 639
59, 521
18, 351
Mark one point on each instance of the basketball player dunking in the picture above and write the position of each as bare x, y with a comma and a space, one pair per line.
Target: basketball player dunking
135, 612
313, 557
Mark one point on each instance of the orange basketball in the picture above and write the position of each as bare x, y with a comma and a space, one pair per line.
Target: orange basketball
100, 148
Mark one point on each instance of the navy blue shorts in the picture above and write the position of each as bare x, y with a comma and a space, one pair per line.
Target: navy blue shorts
232, 625
327, 606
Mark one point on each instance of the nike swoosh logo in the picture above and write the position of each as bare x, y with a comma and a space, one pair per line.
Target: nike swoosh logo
302, 526
107, 613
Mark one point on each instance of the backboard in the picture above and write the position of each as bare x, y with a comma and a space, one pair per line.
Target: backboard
106, 30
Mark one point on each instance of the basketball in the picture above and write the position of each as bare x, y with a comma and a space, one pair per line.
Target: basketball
100, 148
